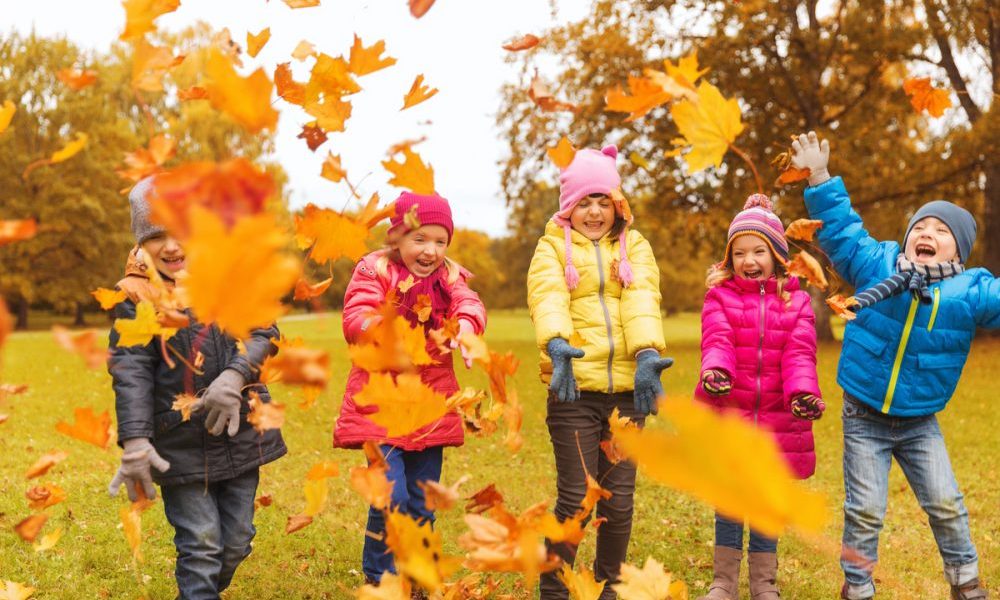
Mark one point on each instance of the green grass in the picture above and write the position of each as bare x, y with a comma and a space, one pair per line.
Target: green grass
323, 560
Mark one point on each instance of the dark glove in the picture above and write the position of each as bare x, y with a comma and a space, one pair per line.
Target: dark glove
647, 380
716, 383
137, 459
807, 406
222, 399
563, 384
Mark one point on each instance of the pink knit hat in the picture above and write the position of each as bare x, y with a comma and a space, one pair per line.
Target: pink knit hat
592, 172
758, 219
431, 210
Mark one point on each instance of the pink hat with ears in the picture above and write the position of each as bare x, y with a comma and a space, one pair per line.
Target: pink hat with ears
592, 172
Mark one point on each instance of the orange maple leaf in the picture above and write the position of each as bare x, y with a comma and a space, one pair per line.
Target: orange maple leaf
370, 481
195, 92
84, 343
562, 154
330, 234
331, 76
88, 427
332, 169
645, 96
247, 100
331, 114
44, 463
255, 42
368, 60
43, 496
108, 299
29, 527
289, 89
803, 229
484, 499
265, 415
524, 42
297, 365
923, 96
148, 161
323, 470
545, 100
391, 345
371, 214
306, 291
140, 14
77, 79
405, 403
792, 175
423, 307
804, 265
411, 173
313, 135
418, 93
17, 230
149, 64
841, 306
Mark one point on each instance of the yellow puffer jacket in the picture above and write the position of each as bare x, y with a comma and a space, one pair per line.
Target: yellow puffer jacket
613, 322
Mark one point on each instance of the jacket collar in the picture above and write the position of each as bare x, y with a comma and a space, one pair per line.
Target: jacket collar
770, 286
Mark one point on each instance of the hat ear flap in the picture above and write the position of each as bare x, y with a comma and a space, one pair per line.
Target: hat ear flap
610, 150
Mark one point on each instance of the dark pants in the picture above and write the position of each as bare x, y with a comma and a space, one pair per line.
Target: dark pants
213, 528
730, 534
406, 468
585, 422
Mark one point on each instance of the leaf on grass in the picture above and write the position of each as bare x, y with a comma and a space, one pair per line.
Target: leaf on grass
41, 497
841, 306
263, 501
411, 173
29, 527
650, 582
923, 96
49, 540
404, 405
88, 427
246, 99
418, 93
525, 42
803, 230
77, 79
257, 41
708, 126
562, 153
297, 522
804, 265
46, 462
13, 590
368, 60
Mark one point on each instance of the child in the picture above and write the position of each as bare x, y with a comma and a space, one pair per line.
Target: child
419, 255
593, 277
918, 311
208, 465
758, 359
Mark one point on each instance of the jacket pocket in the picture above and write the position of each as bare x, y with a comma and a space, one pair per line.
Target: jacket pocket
933, 360
165, 421
868, 341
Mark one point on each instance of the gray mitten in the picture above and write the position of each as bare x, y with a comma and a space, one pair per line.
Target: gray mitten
137, 459
222, 400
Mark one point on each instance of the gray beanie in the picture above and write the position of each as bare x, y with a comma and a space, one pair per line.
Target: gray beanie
138, 198
960, 221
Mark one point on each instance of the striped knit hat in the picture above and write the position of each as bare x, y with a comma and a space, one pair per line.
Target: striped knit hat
757, 218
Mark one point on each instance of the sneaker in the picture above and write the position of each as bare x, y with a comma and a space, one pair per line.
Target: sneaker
969, 591
843, 593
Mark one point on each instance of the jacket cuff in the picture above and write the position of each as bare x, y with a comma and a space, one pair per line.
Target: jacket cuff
134, 429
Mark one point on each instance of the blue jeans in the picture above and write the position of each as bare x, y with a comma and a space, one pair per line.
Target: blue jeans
871, 441
213, 528
406, 468
730, 534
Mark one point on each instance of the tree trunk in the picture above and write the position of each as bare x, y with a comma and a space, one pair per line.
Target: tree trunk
21, 312
989, 237
78, 320
824, 332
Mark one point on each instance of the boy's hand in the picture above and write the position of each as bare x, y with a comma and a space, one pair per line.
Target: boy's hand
808, 407
563, 383
810, 153
716, 383
137, 459
222, 399
647, 386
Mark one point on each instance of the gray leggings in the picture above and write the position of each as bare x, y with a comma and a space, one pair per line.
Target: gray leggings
585, 422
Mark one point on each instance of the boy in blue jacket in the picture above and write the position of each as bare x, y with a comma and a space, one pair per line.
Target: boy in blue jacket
918, 310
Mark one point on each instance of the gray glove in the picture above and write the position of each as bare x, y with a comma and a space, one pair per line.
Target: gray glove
137, 459
809, 153
563, 383
222, 399
648, 387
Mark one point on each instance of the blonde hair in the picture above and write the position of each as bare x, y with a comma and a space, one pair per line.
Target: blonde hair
390, 251
720, 273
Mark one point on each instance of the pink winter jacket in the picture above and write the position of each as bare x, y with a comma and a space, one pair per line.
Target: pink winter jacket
768, 348
365, 294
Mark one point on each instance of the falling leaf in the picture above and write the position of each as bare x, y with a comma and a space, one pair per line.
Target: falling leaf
422, 307
370, 481
15, 591
792, 175
404, 405
140, 330
140, 14
439, 497
316, 492
418, 93
77, 79
108, 299
545, 100
725, 461
195, 92
582, 585
323, 470
419, 8
184, 403
649, 583
88, 427
331, 234
7, 111
562, 154
636, 159
289, 89
331, 77
303, 50
804, 265
411, 173
484, 499
686, 71
708, 125
298, 365
247, 100
257, 41
417, 550
301, 3
841, 306
29, 527
148, 161
313, 135
524, 42
509, 543
71, 149
17, 230
149, 64
305, 290
391, 345
132, 527
332, 169
645, 96
265, 415
405, 285
84, 343
390, 587
331, 114
923, 96
49, 540
46, 462
803, 229
41, 497
410, 218
368, 60
297, 522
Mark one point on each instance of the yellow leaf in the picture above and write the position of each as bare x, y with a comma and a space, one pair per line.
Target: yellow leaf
708, 125
405, 285
323, 470
237, 278
108, 299
7, 111
132, 526
265, 415
417, 551
841, 306
650, 582
411, 174
370, 481
246, 100
140, 330
582, 585
393, 345
13, 590
257, 41
404, 405
183, 403
301, 3
418, 93
330, 76
316, 492
390, 587
645, 96
149, 65
330, 114
686, 71
303, 50
725, 461
562, 153
638, 160
332, 169
71, 149
367, 60
331, 234
48, 540
140, 14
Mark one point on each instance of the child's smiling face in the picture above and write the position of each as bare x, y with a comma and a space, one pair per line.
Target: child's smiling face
752, 258
422, 250
593, 216
167, 254
930, 241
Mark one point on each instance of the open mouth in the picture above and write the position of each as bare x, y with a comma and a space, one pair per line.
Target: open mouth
753, 273
924, 251
175, 263
593, 225
426, 263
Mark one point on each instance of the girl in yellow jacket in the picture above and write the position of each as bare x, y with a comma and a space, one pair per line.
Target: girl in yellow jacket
594, 280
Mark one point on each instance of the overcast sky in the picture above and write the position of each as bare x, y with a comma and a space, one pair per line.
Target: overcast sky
456, 45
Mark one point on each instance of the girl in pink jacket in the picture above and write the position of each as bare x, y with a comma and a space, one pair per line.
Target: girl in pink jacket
758, 359
412, 264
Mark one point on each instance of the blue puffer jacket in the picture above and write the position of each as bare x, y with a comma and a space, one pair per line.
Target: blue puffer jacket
900, 357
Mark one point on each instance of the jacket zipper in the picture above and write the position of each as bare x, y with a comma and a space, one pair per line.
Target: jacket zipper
937, 300
607, 317
760, 353
900, 351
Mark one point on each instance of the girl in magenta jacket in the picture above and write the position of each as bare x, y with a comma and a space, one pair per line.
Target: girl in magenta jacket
758, 359
414, 256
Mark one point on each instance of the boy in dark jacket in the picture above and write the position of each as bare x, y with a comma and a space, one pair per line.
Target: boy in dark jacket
207, 466
918, 309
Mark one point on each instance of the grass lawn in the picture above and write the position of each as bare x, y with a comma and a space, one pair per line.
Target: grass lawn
92, 560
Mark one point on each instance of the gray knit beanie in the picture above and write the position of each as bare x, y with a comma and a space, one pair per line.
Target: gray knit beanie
138, 198
960, 221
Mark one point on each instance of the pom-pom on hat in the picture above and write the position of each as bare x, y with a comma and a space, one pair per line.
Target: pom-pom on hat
431, 210
757, 218
592, 172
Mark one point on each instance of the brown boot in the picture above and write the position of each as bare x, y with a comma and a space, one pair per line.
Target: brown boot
727, 574
763, 575
969, 591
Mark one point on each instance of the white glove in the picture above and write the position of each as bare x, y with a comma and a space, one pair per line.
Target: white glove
222, 399
809, 153
137, 459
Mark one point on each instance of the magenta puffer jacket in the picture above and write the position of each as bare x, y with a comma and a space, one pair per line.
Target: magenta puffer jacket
365, 294
768, 348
